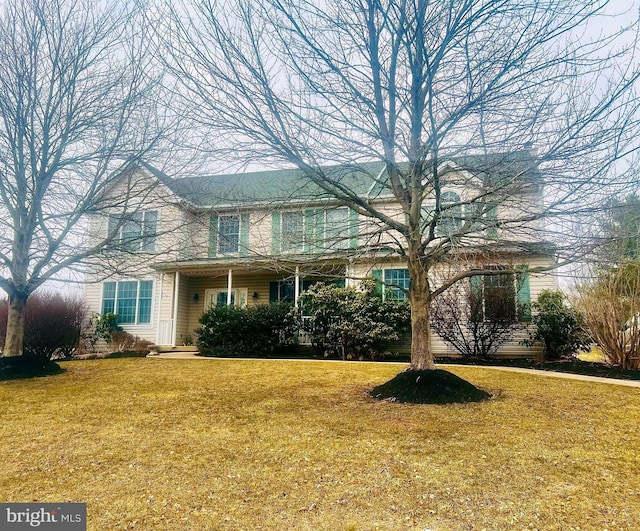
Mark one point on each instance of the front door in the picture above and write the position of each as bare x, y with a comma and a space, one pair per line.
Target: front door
218, 297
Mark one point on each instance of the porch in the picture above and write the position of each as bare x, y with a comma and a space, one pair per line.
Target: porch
187, 292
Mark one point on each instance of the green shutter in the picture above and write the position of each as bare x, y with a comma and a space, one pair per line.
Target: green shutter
377, 276
275, 232
353, 229
273, 291
492, 218
213, 236
476, 299
524, 294
320, 241
244, 234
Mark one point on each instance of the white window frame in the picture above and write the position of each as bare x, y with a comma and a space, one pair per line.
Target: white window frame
301, 243
220, 236
386, 286
142, 241
137, 307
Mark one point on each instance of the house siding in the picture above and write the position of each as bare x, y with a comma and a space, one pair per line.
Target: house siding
184, 236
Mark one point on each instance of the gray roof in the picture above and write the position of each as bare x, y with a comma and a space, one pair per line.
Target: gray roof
291, 186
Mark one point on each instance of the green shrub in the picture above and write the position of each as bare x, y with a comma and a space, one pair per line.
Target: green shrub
352, 323
558, 326
257, 331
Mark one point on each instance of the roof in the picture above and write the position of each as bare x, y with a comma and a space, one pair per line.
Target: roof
365, 179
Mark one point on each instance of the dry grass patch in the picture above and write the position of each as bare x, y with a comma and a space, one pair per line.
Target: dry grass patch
216, 444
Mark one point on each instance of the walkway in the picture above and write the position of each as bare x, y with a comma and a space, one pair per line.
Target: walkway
537, 372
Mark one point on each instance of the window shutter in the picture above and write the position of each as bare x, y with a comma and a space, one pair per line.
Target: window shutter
244, 234
492, 218
213, 236
476, 299
353, 229
320, 239
275, 232
377, 276
523, 294
273, 291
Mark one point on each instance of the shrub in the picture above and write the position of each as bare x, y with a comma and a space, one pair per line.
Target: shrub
105, 328
53, 325
254, 331
352, 323
611, 306
559, 327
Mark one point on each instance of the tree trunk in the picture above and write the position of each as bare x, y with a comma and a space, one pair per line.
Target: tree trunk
419, 296
14, 340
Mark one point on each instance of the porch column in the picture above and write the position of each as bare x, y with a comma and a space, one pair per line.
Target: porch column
159, 309
296, 288
229, 285
176, 293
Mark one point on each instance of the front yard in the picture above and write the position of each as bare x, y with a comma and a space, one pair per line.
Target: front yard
220, 444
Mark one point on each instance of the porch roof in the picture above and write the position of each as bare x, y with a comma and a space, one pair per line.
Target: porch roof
251, 263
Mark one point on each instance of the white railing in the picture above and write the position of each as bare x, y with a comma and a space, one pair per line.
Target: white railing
304, 337
165, 332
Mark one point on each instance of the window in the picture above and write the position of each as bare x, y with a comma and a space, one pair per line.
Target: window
282, 291
229, 234
314, 230
501, 297
394, 283
285, 290
130, 300
451, 220
135, 232
292, 232
336, 228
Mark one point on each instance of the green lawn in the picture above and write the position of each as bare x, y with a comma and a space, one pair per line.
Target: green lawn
213, 444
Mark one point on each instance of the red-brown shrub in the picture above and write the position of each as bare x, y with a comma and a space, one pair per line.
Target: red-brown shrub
53, 324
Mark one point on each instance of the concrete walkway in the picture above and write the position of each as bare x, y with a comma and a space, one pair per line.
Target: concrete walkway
537, 372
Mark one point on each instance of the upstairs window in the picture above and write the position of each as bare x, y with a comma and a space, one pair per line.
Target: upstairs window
229, 234
451, 218
292, 234
135, 232
314, 230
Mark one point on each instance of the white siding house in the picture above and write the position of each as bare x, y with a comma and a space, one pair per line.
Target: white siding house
265, 236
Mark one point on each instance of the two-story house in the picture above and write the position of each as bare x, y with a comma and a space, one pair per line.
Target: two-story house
255, 238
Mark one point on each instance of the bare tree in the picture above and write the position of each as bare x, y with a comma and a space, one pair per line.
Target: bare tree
413, 84
76, 107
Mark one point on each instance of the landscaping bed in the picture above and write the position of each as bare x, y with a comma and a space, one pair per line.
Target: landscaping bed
571, 366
